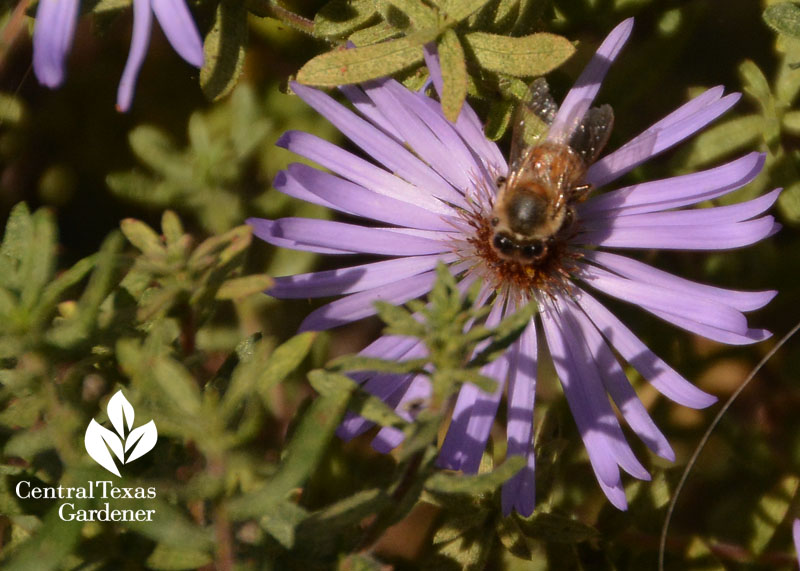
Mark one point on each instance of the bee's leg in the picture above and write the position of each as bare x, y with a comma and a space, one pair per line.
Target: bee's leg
579, 193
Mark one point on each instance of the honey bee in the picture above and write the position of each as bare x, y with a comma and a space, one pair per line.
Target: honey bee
534, 205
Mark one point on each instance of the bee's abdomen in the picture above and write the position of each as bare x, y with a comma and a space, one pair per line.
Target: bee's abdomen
556, 164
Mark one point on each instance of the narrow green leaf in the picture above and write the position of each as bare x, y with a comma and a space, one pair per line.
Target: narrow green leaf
171, 227
303, 454
444, 483
344, 66
353, 363
506, 332
339, 18
784, 18
282, 520
39, 263
16, 242
398, 320
143, 237
454, 74
178, 385
512, 537
527, 56
242, 287
500, 114
224, 50
471, 376
771, 512
167, 558
285, 359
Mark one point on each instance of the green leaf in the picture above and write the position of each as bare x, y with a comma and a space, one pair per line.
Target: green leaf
51, 545
16, 243
454, 74
285, 359
527, 56
172, 227
352, 363
506, 332
722, 139
784, 18
340, 18
178, 385
399, 320
242, 287
771, 512
303, 454
344, 66
167, 558
457, 10
224, 50
444, 483
374, 34
472, 376
551, 527
282, 520
143, 237
419, 15
39, 263
499, 120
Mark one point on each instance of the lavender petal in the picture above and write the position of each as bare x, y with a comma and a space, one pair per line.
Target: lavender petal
656, 298
360, 305
179, 27
142, 25
358, 170
713, 216
382, 147
663, 377
354, 278
344, 238
706, 238
655, 140
676, 191
333, 192
580, 97
53, 34
635, 270
519, 492
618, 387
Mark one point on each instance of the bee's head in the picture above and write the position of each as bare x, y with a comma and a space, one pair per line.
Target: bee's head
525, 252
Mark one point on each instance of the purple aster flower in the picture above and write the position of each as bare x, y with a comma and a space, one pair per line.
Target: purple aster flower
55, 31
432, 187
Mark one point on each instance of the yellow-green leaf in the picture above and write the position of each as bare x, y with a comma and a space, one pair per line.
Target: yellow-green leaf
454, 74
356, 65
531, 55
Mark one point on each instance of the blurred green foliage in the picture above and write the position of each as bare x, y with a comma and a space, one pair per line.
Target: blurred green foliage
124, 264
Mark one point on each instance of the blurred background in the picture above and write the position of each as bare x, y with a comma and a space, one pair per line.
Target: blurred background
69, 151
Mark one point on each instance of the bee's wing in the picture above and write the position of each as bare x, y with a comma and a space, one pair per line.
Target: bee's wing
533, 117
589, 138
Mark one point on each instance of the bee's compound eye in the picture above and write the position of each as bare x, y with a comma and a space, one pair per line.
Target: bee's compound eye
500, 181
533, 251
504, 244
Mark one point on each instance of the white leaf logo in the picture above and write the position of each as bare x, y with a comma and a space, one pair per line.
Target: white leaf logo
100, 441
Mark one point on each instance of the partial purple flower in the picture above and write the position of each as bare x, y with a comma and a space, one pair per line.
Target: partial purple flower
55, 30
431, 188
796, 537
